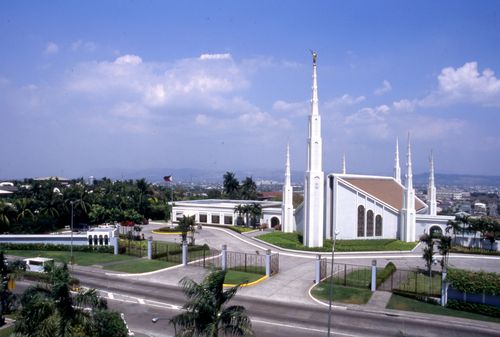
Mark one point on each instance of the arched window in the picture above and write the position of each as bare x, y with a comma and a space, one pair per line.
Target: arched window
106, 240
361, 220
369, 223
100, 240
378, 225
90, 240
95, 240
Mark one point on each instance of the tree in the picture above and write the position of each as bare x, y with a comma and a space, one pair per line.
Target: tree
51, 310
428, 254
207, 312
231, 185
187, 224
248, 189
108, 323
6, 215
23, 210
444, 246
255, 211
7, 298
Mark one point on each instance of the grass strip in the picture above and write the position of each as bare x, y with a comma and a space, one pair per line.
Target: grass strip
236, 277
294, 241
81, 258
407, 304
140, 266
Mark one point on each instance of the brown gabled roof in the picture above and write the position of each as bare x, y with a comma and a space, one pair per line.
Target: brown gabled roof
386, 190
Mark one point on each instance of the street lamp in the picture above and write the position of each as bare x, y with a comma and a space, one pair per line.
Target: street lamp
71, 249
331, 286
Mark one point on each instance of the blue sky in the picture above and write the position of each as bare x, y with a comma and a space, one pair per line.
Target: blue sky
225, 84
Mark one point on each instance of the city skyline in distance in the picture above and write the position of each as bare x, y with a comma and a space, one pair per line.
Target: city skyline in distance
224, 88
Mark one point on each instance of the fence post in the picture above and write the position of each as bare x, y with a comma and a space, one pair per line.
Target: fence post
374, 275
150, 248
115, 242
184, 253
224, 258
444, 288
345, 275
317, 276
268, 263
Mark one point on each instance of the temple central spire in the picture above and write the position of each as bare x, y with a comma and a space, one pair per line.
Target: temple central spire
314, 176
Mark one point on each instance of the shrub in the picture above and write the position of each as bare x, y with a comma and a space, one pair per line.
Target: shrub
388, 270
418, 297
474, 282
167, 229
477, 308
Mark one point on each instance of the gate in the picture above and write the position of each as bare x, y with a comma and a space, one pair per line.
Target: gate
275, 263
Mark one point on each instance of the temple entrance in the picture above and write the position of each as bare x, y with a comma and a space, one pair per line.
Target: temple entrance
274, 222
435, 232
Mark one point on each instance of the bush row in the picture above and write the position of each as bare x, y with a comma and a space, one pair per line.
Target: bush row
44, 277
476, 308
176, 250
474, 282
51, 247
418, 297
472, 250
388, 270
167, 229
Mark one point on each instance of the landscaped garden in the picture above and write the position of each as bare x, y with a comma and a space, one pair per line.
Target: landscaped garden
295, 241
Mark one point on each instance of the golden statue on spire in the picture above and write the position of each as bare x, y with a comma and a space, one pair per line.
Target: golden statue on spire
315, 56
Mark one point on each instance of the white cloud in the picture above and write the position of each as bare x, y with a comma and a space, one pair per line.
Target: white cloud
293, 108
368, 115
405, 105
385, 88
344, 100
201, 119
130, 110
465, 85
128, 59
226, 56
51, 48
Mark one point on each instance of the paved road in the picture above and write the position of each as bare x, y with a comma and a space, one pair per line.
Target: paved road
275, 318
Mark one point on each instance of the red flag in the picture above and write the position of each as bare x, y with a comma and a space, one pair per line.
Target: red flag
167, 178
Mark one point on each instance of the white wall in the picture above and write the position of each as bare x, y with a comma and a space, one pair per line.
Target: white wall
345, 209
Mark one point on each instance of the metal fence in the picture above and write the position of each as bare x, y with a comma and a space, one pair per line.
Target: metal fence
351, 275
275, 263
133, 248
414, 281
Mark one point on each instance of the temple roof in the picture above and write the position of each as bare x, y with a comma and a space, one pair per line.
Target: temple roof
386, 189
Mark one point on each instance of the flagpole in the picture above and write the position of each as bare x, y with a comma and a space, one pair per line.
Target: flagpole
171, 203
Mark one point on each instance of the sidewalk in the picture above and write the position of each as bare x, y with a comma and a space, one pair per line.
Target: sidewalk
379, 299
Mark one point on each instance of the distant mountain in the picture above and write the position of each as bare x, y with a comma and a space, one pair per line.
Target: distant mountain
459, 179
193, 175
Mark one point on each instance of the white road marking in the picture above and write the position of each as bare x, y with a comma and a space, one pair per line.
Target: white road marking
141, 301
111, 296
290, 326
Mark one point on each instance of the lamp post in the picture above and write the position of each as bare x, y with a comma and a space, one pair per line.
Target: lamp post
71, 249
330, 296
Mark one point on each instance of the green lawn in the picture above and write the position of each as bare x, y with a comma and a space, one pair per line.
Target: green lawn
81, 258
341, 294
238, 229
123, 263
294, 241
236, 277
403, 303
360, 278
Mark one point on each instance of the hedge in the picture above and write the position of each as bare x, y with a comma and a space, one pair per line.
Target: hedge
418, 297
44, 277
176, 250
175, 229
474, 282
476, 308
51, 247
388, 270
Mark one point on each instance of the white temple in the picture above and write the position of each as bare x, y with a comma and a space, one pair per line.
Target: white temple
358, 206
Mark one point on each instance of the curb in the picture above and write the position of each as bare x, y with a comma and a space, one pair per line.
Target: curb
263, 278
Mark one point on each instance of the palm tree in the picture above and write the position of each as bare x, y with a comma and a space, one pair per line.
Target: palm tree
248, 189
255, 211
207, 313
50, 310
23, 211
444, 246
231, 185
241, 211
7, 212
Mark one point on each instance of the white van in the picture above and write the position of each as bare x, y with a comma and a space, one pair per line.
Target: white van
37, 264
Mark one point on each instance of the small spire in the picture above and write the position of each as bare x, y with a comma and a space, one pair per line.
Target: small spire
431, 188
397, 167
314, 99
409, 171
344, 171
431, 170
287, 166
